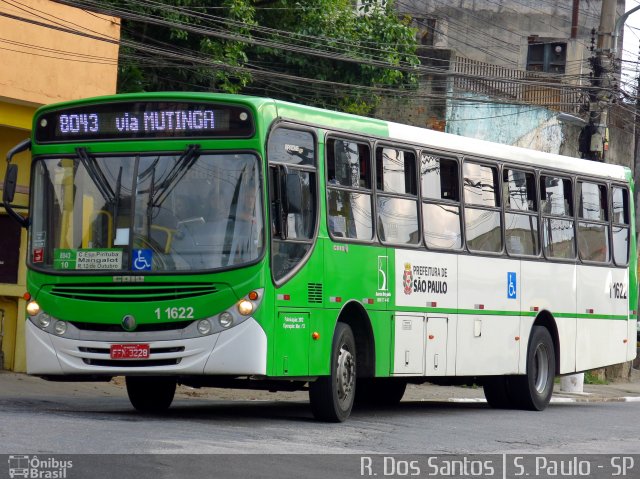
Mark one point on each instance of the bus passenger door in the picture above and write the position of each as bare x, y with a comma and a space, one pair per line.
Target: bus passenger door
408, 358
436, 346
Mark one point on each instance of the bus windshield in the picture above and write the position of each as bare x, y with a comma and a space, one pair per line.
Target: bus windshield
147, 213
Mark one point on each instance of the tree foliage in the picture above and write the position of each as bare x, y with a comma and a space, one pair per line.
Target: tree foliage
269, 47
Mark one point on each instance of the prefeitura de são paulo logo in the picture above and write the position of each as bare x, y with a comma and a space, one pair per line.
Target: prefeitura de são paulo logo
407, 278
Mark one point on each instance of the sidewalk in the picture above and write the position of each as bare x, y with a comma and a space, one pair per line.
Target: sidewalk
620, 390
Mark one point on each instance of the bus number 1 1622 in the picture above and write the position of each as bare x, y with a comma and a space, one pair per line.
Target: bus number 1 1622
174, 313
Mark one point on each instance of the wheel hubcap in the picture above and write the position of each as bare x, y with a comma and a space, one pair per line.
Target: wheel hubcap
541, 365
345, 375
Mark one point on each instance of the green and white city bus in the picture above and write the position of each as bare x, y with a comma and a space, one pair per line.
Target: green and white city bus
232, 241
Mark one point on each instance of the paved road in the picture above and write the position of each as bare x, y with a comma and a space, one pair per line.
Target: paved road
41, 417
105, 438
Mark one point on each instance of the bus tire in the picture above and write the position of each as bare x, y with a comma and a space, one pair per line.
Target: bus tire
151, 394
533, 390
332, 396
496, 391
380, 391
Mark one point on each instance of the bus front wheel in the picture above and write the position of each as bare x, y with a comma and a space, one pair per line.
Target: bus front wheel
533, 390
332, 396
151, 394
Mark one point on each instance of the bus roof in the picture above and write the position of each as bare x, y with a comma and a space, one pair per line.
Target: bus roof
382, 129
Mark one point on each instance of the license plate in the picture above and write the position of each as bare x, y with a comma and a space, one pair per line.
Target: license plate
129, 351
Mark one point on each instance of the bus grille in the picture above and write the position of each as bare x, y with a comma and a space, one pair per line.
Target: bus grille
141, 328
132, 363
131, 292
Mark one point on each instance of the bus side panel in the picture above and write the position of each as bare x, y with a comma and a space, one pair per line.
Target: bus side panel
552, 287
603, 309
427, 281
489, 321
359, 274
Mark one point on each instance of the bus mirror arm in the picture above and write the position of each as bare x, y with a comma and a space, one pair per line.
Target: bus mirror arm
11, 181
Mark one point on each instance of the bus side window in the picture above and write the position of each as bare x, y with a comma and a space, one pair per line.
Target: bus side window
482, 228
397, 205
349, 190
558, 228
593, 226
521, 212
620, 225
440, 202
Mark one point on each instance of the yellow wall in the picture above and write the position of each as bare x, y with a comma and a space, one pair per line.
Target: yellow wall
41, 65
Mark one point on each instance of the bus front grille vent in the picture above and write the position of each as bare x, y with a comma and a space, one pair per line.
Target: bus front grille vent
133, 292
314, 293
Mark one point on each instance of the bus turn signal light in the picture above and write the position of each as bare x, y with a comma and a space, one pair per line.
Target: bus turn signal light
315, 335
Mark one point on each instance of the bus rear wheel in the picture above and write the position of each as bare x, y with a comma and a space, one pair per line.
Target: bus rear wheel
332, 396
496, 390
149, 393
533, 390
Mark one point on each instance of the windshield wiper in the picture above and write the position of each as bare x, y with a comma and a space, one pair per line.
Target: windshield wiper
150, 206
96, 174
179, 169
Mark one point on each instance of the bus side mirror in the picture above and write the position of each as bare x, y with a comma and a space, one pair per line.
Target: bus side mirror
294, 193
10, 182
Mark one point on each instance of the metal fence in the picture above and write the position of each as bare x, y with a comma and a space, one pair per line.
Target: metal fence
519, 86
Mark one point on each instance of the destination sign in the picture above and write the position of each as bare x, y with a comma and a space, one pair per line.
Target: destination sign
139, 120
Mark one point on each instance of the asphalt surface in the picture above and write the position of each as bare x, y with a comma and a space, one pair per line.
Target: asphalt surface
16, 384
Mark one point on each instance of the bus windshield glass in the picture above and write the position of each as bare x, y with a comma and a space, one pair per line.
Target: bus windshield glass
153, 213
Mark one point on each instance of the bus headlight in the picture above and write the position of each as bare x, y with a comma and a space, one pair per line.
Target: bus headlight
245, 307
44, 320
204, 327
225, 319
33, 308
60, 328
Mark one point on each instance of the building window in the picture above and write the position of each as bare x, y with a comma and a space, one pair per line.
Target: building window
547, 57
426, 31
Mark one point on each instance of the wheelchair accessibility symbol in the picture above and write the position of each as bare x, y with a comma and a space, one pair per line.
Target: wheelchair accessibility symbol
142, 259
512, 287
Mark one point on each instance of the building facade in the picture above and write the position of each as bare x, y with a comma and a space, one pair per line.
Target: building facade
49, 52
516, 70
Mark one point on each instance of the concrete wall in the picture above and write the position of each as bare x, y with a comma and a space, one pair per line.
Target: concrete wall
41, 65
498, 32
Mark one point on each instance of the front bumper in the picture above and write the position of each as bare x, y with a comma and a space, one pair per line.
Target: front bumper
240, 351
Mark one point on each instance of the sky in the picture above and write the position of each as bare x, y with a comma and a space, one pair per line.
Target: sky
630, 48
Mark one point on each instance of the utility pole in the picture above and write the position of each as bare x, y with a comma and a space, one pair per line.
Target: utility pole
600, 96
